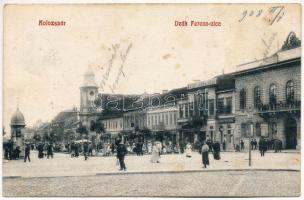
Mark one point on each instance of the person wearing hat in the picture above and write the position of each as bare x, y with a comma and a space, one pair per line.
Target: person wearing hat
27, 153
121, 152
85, 150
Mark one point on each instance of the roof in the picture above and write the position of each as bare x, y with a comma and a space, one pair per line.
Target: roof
17, 119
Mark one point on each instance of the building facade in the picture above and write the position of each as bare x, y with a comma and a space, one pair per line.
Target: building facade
268, 99
262, 98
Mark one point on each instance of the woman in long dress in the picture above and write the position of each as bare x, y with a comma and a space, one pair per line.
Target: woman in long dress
188, 150
205, 157
155, 154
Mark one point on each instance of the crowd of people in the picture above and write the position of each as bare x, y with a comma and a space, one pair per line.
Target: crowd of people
155, 149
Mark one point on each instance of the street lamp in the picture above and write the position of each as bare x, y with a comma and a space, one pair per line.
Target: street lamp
249, 116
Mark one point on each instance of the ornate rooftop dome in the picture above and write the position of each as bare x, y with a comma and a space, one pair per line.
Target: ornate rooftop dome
89, 78
17, 119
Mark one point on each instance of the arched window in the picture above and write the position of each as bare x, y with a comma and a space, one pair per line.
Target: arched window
257, 96
242, 99
289, 92
273, 94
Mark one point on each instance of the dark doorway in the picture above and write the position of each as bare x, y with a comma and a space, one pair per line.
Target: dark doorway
291, 133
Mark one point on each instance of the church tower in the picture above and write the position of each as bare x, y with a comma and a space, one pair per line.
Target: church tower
88, 94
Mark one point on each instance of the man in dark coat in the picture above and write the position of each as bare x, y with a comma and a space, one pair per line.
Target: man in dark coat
205, 151
50, 151
216, 150
224, 145
121, 152
255, 143
40, 150
210, 144
242, 145
17, 152
262, 146
85, 150
27, 153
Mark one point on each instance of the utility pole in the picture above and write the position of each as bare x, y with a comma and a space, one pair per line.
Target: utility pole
250, 136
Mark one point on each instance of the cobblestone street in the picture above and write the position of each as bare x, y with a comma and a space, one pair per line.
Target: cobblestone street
238, 183
64, 165
175, 175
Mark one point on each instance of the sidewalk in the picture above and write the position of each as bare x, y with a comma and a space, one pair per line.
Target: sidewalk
64, 165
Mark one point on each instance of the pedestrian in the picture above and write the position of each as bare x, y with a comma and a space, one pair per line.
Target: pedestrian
255, 143
50, 151
149, 148
205, 152
121, 153
17, 152
72, 150
90, 149
251, 144
155, 153
210, 144
40, 150
141, 152
242, 145
237, 148
136, 148
216, 150
6, 151
85, 150
112, 148
224, 145
280, 145
76, 150
188, 150
27, 153
262, 146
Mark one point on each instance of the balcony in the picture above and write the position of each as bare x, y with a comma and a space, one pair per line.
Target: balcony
224, 110
279, 107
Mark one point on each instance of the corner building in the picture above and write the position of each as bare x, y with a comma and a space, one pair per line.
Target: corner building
268, 99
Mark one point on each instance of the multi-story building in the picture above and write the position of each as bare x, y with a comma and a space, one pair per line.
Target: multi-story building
225, 110
268, 97
196, 110
261, 98
162, 121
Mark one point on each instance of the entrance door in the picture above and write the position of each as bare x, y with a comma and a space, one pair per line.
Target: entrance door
291, 133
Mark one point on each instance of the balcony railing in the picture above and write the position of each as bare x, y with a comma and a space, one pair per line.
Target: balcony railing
224, 110
281, 106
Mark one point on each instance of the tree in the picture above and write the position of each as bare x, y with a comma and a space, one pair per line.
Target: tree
36, 138
69, 135
82, 130
97, 126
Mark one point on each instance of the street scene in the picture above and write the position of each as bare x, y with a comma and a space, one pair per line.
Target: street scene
175, 172
130, 109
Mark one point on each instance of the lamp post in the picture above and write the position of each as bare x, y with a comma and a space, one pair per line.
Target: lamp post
250, 135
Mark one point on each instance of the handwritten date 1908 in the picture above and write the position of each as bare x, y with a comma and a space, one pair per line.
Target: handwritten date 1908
273, 14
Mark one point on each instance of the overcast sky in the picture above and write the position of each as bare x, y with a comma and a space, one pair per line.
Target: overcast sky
44, 65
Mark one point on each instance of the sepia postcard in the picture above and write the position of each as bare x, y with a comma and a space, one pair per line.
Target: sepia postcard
151, 100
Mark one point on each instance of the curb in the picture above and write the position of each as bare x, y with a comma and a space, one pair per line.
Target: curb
158, 172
